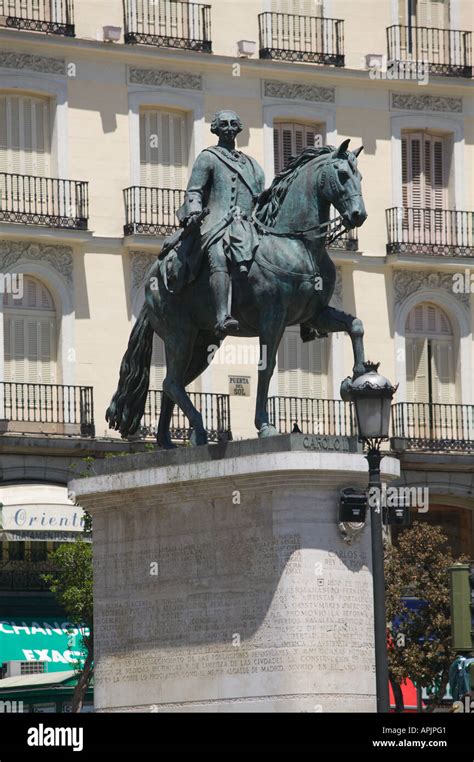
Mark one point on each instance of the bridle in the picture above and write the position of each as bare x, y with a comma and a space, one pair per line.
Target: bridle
338, 227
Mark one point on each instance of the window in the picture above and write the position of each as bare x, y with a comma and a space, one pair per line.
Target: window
425, 186
30, 335
290, 138
298, 7
302, 368
163, 149
424, 170
25, 146
427, 13
430, 356
158, 364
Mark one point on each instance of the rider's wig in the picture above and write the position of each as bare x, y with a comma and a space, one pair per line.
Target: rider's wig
217, 115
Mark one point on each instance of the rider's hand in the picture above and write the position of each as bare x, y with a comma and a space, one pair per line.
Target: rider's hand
192, 217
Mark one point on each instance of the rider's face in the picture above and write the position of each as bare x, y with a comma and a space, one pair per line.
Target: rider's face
228, 127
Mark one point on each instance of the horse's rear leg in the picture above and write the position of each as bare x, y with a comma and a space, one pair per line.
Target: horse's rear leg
204, 347
178, 373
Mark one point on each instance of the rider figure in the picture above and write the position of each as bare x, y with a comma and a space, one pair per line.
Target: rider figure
227, 183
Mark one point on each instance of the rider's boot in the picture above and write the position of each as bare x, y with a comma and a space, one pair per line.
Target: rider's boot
220, 282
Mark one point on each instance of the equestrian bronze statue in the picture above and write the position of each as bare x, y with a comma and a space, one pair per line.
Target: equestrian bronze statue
262, 251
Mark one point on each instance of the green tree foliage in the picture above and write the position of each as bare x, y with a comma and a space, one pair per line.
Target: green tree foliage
71, 583
420, 641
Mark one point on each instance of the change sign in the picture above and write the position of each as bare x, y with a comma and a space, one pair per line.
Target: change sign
59, 644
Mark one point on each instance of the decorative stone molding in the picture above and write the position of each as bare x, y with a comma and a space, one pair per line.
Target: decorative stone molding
12, 60
407, 282
159, 78
292, 91
426, 102
59, 257
141, 261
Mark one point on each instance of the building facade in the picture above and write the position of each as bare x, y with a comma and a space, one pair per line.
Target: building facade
103, 109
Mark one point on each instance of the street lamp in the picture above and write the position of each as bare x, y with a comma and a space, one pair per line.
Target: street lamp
372, 395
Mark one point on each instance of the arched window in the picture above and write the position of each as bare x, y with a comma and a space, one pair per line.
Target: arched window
30, 334
430, 356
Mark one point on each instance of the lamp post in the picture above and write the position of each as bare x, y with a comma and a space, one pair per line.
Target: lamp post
372, 395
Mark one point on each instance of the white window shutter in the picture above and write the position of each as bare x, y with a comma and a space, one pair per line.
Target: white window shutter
25, 147
424, 180
302, 367
158, 364
442, 371
298, 7
289, 139
417, 370
432, 13
30, 336
163, 149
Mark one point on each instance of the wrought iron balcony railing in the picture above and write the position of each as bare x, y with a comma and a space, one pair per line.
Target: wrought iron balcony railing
432, 232
46, 409
313, 416
214, 408
312, 39
168, 24
47, 201
433, 427
50, 16
151, 211
445, 51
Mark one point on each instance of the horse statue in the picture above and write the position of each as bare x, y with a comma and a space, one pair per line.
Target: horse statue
290, 281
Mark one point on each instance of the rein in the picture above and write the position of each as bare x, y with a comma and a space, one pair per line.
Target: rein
338, 227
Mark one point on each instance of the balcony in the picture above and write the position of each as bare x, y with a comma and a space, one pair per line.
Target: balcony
29, 408
430, 232
151, 211
49, 16
286, 37
313, 416
432, 427
168, 24
214, 408
446, 51
47, 201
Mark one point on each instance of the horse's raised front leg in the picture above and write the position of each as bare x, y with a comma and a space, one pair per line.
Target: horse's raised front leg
331, 320
269, 343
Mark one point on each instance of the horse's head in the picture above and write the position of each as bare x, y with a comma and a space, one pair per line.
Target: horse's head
341, 185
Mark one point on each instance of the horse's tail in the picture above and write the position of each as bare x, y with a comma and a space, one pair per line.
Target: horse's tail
128, 403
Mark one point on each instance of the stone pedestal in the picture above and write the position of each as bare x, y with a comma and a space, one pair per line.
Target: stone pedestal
222, 582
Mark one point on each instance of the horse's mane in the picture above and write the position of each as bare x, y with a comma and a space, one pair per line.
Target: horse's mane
271, 198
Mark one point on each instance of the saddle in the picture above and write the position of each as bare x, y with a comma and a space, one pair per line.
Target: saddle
182, 256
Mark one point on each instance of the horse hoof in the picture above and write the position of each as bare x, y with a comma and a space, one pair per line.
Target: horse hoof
198, 438
166, 444
267, 430
346, 387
